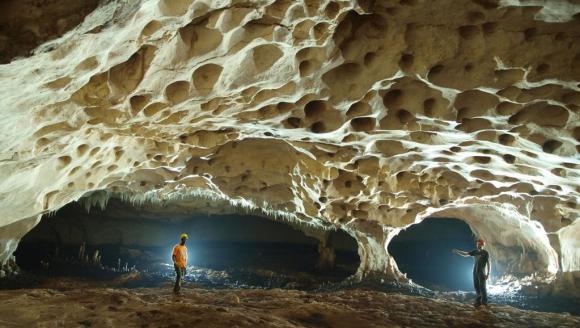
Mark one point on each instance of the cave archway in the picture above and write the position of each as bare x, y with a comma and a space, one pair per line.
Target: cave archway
121, 237
423, 252
520, 245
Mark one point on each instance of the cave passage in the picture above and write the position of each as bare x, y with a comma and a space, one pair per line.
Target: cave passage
223, 249
423, 252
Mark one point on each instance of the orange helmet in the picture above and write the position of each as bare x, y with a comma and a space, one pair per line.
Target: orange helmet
481, 241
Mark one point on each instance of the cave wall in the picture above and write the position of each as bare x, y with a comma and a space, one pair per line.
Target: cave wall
363, 115
26, 24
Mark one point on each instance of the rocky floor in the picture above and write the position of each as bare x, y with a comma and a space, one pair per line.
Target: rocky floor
74, 304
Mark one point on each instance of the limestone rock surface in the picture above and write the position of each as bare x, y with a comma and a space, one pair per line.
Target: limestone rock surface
367, 116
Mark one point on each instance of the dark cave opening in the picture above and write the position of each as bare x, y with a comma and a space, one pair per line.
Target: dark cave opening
223, 249
423, 252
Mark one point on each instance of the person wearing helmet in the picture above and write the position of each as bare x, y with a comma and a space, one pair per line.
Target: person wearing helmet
481, 270
179, 258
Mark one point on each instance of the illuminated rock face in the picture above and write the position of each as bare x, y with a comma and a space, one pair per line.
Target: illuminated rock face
367, 116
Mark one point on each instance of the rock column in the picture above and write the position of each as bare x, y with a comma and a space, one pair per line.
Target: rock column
375, 260
327, 256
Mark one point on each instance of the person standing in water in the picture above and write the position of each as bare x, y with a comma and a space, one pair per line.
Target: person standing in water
179, 258
481, 270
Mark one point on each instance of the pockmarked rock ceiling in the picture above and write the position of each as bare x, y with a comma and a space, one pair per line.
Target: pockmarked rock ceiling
367, 116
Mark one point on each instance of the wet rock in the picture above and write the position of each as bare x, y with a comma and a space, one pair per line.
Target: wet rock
232, 299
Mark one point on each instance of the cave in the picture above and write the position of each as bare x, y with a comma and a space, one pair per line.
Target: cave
317, 136
102, 243
423, 253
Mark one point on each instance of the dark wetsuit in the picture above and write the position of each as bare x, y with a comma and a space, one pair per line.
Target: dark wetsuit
479, 281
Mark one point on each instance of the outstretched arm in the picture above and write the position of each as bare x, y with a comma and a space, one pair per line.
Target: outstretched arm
458, 252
